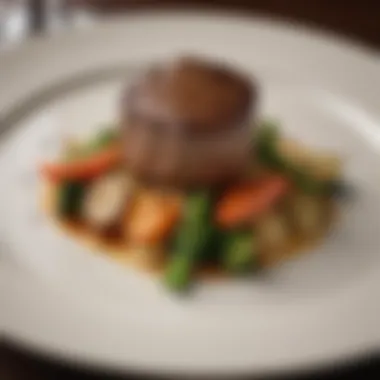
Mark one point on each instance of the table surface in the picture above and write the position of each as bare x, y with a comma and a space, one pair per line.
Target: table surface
357, 20
18, 364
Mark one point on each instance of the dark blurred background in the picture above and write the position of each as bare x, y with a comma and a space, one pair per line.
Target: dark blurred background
356, 20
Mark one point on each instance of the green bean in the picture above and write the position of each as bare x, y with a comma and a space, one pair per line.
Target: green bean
240, 253
70, 199
267, 154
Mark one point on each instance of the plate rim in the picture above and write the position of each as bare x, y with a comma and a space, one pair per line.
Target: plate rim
40, 43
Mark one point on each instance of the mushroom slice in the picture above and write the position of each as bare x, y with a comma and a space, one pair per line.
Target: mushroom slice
106, 200
272, 232
308, 215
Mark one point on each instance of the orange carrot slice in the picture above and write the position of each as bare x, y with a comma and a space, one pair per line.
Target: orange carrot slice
152, 218
84, 168
248, 201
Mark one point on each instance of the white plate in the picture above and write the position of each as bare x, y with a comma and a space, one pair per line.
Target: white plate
63, 300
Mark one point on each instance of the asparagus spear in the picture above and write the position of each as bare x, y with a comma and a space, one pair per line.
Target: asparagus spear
191, 239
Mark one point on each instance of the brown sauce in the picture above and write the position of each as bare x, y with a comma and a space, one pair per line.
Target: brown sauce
154, 260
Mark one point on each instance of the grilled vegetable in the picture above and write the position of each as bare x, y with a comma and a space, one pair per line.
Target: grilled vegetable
75, 150
70, 199
152, 218
311, 172
84, 168
191, 240
240, 252
272, 232
106, 199
103, 139
249, 201
308, 214
322, 166
264, 145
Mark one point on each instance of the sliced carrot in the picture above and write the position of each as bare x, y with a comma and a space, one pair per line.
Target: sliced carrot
152, 218
84, 168
248, 201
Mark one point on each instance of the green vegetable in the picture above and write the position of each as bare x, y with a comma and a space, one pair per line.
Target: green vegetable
306, 182
214, 243
307, 214
266, 152
190, 241
70, 198
240, 254
265, 145
101, 140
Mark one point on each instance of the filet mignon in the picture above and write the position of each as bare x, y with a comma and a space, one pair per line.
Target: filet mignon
188, 123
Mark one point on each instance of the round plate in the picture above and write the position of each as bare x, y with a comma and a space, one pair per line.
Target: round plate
62, 299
